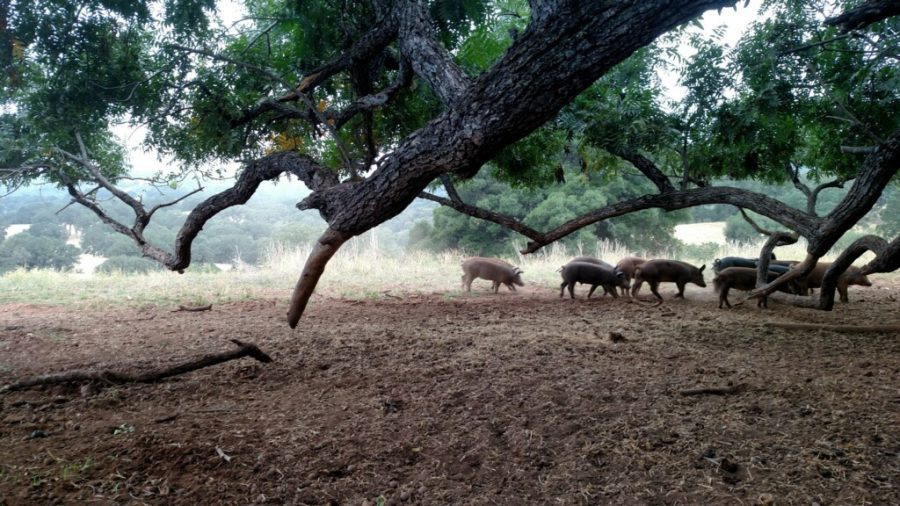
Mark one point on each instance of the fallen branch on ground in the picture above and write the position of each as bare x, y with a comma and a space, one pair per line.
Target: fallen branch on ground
895, 329
193, 308
734, 389
116, 377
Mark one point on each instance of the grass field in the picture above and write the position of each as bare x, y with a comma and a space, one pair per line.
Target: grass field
359, 271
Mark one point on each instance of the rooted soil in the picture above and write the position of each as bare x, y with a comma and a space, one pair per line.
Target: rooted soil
516, 398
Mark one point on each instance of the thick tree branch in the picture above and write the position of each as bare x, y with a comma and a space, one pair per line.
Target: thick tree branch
886, 260
327, 245
430, 61
877, 171
864, 15
316, 177
765, 255
680, 199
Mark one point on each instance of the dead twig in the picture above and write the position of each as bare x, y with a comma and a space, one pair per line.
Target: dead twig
117, 377
732, 389
193, 308
890, 329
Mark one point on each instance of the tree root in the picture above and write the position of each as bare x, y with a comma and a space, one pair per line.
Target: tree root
890, 329
116, 377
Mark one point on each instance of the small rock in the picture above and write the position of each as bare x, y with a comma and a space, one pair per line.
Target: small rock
765, 500
37, 434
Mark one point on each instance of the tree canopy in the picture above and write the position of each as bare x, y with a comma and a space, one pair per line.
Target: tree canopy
370, 102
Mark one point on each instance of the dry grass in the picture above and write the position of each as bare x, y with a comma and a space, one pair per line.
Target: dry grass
360, 270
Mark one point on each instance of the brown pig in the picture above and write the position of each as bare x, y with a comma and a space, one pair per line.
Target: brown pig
743, 278
852, 276
491, 269
628, 265
655, 272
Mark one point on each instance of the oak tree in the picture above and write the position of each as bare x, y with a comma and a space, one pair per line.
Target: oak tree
366, 102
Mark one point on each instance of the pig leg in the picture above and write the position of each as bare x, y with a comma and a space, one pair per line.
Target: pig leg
562, 288
467, 282
842, 290
495, 286
511, 287
654, 286
610, 289
723, 297
637, 287
593, 287
572, 289
680, 294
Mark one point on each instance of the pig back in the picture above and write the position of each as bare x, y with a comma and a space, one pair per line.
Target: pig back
591, 273
669, 271
629, 264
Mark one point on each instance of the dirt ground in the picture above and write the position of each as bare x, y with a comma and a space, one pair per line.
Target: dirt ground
516, 398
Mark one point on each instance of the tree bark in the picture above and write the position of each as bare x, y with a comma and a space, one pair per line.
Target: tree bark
864, 15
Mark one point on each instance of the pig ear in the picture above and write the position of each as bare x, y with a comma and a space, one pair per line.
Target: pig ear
702, 267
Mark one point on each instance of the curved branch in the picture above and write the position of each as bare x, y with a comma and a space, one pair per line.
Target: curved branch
477, 212
316, 177
680, 199
375, 40
886, 260
450, 187
646, 166
755, 225
765, 254
843, 262
877, 171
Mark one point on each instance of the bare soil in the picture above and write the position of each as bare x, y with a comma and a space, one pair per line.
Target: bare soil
515, 398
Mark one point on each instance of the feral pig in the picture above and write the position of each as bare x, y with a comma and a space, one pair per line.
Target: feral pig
743, 278
597, 261
627, 265
655, 272
590, 260
852, 276
726, 262
799, 286
491, 269
591, 274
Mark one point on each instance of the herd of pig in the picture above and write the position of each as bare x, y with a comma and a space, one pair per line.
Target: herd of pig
631, 273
